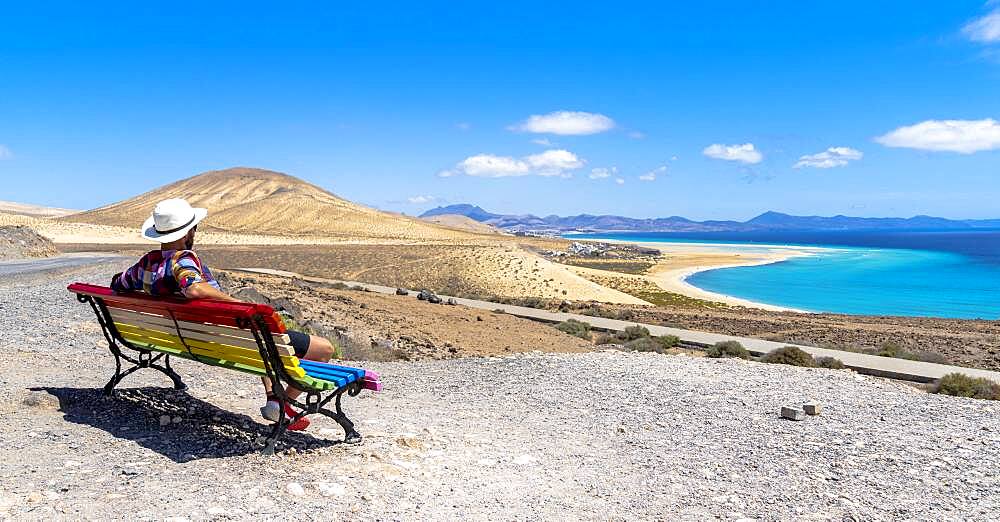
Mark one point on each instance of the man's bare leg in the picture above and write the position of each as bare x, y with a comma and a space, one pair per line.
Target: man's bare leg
319, 350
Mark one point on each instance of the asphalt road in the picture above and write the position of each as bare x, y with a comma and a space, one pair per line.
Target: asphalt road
29, 266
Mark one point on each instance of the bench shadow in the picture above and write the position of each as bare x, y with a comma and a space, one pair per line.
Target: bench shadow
203, 430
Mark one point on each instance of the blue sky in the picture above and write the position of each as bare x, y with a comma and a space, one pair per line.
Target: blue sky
407, 106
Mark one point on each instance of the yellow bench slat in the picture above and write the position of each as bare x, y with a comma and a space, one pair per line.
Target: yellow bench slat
216, 350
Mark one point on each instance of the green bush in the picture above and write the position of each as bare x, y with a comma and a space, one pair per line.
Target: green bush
575, 328
632, 333
829, 362
644, 344
605, 338
790, 355
961, 385
625, 315
892, 349
668, 341
931, 357
728, 349
652, 344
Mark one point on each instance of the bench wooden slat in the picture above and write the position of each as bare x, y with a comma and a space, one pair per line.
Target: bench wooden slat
218, 351
201, 327
196, 310
182, 353
195, 330
319, 384
151, 308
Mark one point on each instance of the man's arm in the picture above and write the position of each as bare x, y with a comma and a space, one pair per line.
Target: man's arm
204, 290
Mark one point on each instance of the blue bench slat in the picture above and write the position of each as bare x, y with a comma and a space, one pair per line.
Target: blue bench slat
357, 373
340, 378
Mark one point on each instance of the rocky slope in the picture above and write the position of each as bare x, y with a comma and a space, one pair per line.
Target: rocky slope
526, 436
19, 242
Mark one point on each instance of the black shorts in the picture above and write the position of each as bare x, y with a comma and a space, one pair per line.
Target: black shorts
300, 342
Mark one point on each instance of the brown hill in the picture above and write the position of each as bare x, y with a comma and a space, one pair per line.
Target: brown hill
25, 209
257, 201
462, 223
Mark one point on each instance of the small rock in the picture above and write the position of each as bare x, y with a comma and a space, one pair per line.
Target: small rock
164, 420
402, 291
525, 460
295, 489
331, 489
451, 301
791, 413
216, 511
41, 400
35, 497
410, 442
812, 408
620, 430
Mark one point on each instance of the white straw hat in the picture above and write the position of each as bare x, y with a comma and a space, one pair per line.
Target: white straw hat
171, 220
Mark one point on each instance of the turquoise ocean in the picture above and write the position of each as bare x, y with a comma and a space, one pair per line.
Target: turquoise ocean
952, 274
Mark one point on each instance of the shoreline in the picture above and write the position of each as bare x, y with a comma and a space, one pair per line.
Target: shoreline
679, 261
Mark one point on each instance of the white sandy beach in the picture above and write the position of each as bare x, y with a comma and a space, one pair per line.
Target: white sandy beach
682, 260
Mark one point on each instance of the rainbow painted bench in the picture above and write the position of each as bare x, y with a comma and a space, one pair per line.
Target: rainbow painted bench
245, 337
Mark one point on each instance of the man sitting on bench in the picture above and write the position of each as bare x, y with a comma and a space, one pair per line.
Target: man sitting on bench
175, 269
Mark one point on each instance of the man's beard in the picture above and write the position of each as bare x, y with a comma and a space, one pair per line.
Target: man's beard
189, 243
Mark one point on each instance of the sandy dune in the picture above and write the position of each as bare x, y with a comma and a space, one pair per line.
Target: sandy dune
24, 209
265, 203
463, 223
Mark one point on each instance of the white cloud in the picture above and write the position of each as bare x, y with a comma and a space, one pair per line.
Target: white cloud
651, 175
602, 172
420, 200
962, 136
491, 166
5, 153
745, 153
542, 141
554, 162
567, 123
831, 157
620, 181
985, 29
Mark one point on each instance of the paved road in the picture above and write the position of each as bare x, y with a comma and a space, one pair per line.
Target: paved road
862, 363
28, 266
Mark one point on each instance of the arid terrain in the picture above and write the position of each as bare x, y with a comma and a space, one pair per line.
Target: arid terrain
265, 219
594, 435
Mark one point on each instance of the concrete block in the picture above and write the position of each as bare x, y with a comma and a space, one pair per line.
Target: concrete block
812, 408
792, 413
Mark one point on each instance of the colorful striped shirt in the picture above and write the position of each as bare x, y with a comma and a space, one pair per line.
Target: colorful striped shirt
164, 272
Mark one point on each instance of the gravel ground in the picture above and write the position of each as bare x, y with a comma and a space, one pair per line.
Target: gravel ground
565, 436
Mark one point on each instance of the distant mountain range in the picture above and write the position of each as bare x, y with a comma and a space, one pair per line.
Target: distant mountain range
767, 221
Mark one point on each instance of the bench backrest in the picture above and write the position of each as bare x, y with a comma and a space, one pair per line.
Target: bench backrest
213, 332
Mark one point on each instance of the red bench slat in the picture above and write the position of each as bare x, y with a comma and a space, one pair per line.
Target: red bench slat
194, 310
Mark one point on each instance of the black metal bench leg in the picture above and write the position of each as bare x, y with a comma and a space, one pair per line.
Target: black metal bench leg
169, 372
278, 430
109, 388
351, 436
